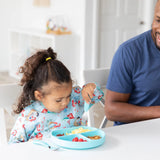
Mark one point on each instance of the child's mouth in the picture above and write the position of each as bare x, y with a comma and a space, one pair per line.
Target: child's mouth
62, 109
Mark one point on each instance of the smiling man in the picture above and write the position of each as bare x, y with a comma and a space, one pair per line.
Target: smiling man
156, 26
133, 87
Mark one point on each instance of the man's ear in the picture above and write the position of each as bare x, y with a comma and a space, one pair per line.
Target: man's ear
38, 95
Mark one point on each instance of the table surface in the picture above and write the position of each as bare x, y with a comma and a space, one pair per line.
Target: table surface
134, 141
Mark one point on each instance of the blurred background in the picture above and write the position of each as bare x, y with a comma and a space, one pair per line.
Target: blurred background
97, 28
84, 33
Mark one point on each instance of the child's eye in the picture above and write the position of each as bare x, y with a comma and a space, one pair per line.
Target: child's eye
58, 101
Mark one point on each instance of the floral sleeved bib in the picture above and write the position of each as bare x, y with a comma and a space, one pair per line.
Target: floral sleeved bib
35, 119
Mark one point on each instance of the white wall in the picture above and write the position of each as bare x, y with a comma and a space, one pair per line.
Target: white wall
9, 16
36, 17
21, 13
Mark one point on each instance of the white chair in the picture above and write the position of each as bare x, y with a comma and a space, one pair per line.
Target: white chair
8, 96
100, 77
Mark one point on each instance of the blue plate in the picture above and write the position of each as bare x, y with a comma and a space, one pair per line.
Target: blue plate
64, 137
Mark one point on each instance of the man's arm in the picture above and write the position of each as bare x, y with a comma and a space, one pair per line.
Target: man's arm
117, 108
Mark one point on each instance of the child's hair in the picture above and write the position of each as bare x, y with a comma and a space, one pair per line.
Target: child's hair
38, 70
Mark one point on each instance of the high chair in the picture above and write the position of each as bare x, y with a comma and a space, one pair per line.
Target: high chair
100, 77
8, 96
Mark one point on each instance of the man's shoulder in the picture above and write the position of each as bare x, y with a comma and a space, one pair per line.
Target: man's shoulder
139, 39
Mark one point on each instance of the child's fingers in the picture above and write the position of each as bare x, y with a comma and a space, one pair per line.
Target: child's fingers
91, 93
87, 98
88, 92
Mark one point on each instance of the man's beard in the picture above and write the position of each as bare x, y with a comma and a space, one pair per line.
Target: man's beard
157, 34
155, 39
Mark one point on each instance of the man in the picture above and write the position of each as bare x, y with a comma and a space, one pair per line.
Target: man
133, 87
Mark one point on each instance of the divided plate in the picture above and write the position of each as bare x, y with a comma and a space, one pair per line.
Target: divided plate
66, 141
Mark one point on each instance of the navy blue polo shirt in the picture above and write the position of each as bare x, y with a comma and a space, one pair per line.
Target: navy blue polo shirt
135, 69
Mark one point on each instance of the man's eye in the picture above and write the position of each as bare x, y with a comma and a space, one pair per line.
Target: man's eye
158, 20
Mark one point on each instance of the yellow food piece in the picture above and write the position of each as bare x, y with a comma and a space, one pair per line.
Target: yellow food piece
79, 130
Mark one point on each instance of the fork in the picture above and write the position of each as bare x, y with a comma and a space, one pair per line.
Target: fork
53, 147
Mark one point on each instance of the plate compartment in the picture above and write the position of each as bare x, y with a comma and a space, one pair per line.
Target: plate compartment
65, 141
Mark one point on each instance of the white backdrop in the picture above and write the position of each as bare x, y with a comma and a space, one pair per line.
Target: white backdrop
21, 13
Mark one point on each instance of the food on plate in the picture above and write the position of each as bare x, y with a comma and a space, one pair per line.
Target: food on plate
60, 134
78, 140
94, 137
79, 130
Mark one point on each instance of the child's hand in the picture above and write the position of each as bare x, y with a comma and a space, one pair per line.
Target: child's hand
88, 91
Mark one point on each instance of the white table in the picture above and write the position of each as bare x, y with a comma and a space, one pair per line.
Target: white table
135, 141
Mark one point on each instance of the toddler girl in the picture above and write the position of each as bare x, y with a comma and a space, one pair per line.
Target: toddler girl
48, 100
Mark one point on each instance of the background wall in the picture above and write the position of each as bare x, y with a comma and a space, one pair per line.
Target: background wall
22, 13
9, 15
81, 16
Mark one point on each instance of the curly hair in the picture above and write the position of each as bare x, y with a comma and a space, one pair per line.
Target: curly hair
39, 69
